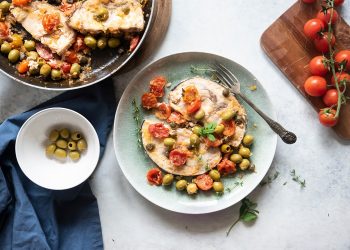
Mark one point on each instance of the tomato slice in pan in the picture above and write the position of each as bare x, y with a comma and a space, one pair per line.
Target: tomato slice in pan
178, 157
226, 167
204, 182
158, 130
163, 111
154, 176
157, 85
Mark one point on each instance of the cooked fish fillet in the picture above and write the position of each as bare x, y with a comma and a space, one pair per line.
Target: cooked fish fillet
123, 15
31, 19
213, 104
198, 163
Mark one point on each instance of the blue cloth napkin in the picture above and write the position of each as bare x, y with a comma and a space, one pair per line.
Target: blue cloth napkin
32, 217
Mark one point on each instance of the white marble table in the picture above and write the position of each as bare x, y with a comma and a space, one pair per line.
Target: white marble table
315, 217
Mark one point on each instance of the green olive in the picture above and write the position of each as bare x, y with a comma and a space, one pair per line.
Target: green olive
4, 7
181, 184
113, 42
33, 71
5, 48
219, 129
64, 133
53, 136
244, 152
194, 140
197, 130
55, 74
102, 43
227, 115
61, 143
226, 92
60, 153
192, 188
41, 62
72, 145
244, 164
248, 140
168, 179
150, 147
169, 142
74, 155
75, 136
29, 45
101, 14
33, 55
75, 70
83, 60
215, 175
45, 70
199, 114
50, 150
90, 42
236, 158
82, 145
13, 56
218, 186
225, 148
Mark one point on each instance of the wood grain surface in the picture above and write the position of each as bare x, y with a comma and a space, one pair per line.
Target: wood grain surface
285, 44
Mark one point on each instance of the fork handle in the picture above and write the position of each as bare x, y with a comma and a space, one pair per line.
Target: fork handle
286, 136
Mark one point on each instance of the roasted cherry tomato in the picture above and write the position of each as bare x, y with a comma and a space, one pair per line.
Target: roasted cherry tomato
163, 111
23, 67
178, 157
158, 130
149, 100
230, 127
194, 106
20, 2
190, 94
65, 67
157, 85
71, 57
50, 22
176, 117
204, 182
154, 176
133, 43
214, 144
226, 167
327, 117
325, 17
315, 86
317, 66
343, 79
343, 56
313, 28
321, 43
331, 98
4, 30
79, 44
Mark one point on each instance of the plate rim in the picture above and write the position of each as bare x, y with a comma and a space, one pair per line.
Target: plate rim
216, 207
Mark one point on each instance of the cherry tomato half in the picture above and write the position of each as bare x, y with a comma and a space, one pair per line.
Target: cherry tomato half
163, 111
321, 43
194, 106
157, 85
343, 56
315, 86
154, 176
230, 128
50, 22
20, 2
330, 98
190, 94
178, 157
176, 117
149, 100
158, 130
226, 167
4, 30
313, 28
204, 182
327, 117
325, 17
317, 66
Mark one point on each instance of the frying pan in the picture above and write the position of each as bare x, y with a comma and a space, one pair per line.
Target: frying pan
104, 63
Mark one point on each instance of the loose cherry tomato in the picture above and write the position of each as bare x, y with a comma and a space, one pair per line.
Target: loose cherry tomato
176, 117
331, 98
230, 128
343, 56
190, 94
178, 157
133, 43
65, 67
163, 111
226, 167
71, 57
204, 182
327, 117
149, 100
343, 79
50, 22
4, 30
309, 1
20, 2
317, 66
321, 43
194, 106
325, 17
154, 176
158, 130
156, 86
315, 86
23, 67
213, 144
313, 28
338, 2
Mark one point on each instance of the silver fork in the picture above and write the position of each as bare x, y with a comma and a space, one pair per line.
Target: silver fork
229, 80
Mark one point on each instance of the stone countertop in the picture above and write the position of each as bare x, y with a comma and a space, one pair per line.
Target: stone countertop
314, 217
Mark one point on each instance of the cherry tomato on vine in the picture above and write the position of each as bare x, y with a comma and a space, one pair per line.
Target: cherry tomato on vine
342, 78
315, 86
338, 2
330, 98
313, 28
327, 117
321, 43
317, 66
343, 55
309, 1
325, 17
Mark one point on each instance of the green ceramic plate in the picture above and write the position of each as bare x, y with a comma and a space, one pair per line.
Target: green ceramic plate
135, 163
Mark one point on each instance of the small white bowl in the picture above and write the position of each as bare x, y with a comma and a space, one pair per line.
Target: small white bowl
48, 172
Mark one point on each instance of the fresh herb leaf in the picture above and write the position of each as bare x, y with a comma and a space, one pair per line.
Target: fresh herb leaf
297, 178
208, 131
247, 217
211, 137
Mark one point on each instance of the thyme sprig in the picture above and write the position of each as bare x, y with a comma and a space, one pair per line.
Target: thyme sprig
138, 121
297, 178
270, 179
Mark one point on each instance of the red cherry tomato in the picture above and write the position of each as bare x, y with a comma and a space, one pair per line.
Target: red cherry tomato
66, 67
343, 79
327, 117
154, 176
20, 2
194, 106
157, 85
71, 57
190, 94
4, 30
325, 17
230, 128
149, 100
309, 1
343, 56
313, 28
158, 130
176, 117
226, 167
338, 2
178, 157
315, 86
213, 144
317, 66
163, 111
331, 98
204, 182
50, 22
321, 43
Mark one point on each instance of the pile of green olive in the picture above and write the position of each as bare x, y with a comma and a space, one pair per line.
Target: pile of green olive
242, 154
101, 42
63, 143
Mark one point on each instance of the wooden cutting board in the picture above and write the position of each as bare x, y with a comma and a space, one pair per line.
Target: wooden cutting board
284, 42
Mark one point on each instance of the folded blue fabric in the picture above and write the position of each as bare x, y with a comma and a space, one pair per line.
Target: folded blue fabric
32, 217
